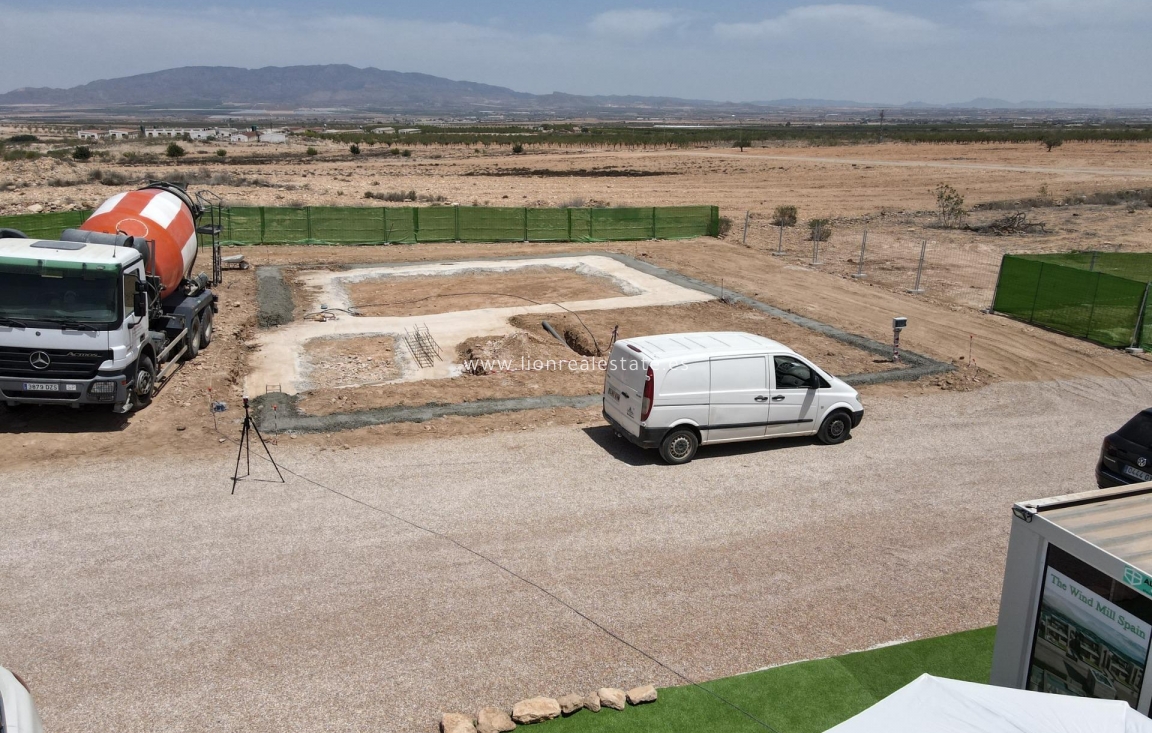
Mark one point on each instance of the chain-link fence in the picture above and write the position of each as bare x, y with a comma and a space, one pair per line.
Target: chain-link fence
963, 273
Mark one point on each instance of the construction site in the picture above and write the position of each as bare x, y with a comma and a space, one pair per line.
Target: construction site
432, 398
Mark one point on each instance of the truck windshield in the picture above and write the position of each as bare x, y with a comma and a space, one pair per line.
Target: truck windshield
43, 295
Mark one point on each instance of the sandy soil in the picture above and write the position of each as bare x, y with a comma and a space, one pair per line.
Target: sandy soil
413, 296
832, 181
350, 361
533, 363
137, 604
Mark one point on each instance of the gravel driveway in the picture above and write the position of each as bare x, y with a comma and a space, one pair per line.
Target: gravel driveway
145, 597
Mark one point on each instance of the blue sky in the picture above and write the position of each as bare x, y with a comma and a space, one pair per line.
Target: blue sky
1089, 51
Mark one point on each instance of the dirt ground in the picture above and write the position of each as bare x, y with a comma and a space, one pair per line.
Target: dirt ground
884, 187
533, 363
418, 295
348, 362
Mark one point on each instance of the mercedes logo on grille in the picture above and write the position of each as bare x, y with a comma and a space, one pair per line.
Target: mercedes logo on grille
1141, 461
39, 360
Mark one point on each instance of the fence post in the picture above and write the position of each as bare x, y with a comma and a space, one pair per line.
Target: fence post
569, 210
1136, 332
525, 223
920, 267
816, 233
996, 287
308, 222
780, 244
1092, 263
457, 223
262, 234
1035, 295
653, 222
747, 216
416, 223
1092, 308
384, 223
863, 244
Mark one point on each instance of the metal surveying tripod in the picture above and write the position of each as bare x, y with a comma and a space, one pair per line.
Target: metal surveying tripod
246, 450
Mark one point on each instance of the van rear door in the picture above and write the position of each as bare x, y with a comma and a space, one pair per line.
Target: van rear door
738, 406
624, 386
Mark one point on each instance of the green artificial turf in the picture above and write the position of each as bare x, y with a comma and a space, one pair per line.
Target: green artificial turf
806, 697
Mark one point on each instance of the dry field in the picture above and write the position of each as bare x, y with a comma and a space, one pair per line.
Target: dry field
377, 625
885, 189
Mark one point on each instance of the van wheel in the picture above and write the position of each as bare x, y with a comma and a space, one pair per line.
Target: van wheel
192, 340
679, 446
836, 428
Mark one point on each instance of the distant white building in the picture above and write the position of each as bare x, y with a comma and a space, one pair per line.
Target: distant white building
119, 134
272, 137
196, 133
244, 136
383, 130
410, 130
88, 134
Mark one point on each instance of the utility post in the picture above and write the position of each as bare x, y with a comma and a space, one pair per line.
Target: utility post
860, 265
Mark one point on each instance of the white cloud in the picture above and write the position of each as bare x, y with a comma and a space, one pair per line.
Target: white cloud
1051, 13
637, 23
865, 21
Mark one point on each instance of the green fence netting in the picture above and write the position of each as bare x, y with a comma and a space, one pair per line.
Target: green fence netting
356, 225
44, 226
1063, 293
408, 225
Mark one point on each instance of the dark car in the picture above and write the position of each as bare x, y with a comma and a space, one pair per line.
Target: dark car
1126, 456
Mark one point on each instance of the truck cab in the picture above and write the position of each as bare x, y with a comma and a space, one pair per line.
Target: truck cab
69, 330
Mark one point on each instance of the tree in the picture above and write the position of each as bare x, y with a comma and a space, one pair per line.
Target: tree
354, 149
517, 149
82, 152
1051, 141
311, 151
741, 143
821, 229
174, 151
221, 153
950, 205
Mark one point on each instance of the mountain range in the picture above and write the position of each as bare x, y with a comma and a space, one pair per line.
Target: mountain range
338, 86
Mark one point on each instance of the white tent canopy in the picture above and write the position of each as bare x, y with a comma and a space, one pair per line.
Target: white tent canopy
950, 706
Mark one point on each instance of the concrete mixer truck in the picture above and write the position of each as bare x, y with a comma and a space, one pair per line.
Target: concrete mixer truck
106, 312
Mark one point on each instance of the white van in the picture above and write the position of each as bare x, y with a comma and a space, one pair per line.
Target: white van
18, 713
679, 391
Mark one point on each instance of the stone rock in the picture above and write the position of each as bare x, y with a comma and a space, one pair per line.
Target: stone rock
592, 702
641, 695
611, 697
456, 723
535, 710
570, 703
35, 209
493, 720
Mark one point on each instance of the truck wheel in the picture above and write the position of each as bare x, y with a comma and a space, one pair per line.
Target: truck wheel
193, 339
206, 329
144, 383
679, 446
836, 428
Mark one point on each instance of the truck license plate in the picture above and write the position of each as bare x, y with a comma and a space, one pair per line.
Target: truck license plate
1137, 473
39, 387
613, 394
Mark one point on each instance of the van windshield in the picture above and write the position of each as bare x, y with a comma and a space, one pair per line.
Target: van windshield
34, 295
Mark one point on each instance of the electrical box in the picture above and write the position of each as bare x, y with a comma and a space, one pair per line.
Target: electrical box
1076, 606
899, 324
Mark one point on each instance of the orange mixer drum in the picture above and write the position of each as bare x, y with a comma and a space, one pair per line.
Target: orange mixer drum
163, 220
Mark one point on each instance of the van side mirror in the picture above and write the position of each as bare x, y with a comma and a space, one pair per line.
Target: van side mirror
139, 303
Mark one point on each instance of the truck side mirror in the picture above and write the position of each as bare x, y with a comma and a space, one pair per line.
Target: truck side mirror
139, 303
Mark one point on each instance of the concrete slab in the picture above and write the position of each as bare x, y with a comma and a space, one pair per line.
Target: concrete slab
279, 359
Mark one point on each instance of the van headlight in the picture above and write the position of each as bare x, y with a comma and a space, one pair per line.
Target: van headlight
102, 388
